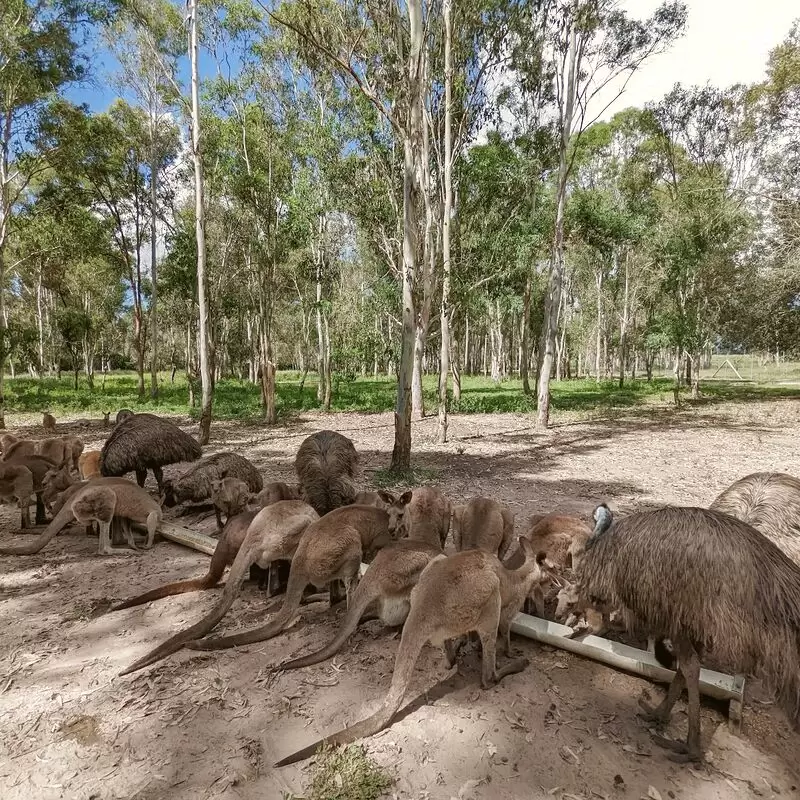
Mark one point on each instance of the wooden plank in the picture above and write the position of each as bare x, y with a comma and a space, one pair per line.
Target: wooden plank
626, 658
180, 535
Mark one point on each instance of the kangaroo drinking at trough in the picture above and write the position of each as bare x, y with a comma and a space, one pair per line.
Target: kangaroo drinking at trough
230, 497
275, 491
696, 576
229, 544
562, 539
483, 524
385, 590
273, 535
470, 591
130, 503
330, 549
430, 512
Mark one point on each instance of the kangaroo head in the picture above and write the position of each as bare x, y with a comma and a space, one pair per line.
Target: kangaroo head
397, 509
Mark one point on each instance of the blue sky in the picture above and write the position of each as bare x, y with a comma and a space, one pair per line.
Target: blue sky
724, 43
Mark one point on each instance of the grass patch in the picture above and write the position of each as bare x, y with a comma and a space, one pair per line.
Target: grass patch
415, 476
235, 399
345, 774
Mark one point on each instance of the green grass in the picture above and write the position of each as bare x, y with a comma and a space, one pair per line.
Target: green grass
345, 774
416, 476
236, 399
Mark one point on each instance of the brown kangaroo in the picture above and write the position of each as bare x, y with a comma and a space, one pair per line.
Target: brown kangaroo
330, 549
89, 464
39, 466
131, 503
385, 590
230, 496
273, 535
562, 539
470, 591
430, 514
483, 524
16, 483
233, 535
275, 491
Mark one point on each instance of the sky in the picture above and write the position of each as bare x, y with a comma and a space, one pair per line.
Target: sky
726, 42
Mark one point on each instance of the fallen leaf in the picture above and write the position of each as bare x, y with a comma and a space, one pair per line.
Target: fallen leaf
653, 793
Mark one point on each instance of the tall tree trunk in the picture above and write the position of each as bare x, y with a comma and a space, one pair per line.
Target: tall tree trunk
322, 389
525, 339
467, 354
598, 358
553, 298
401, 454
695, 366
200, 233
153, 271
623, 325
444, 310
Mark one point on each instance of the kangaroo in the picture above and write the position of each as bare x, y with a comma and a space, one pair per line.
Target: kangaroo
233, 535
74, 448
55, 481
98, 505
229, 495
106, 419
89, 464
563, 539
380, 499
430, 514
48, 422
16, 483
469, 591
330, 549
275, 491
273, 535
483, 524
6, 440
39, 466
56, 450
385, 589
120, 527
131, 503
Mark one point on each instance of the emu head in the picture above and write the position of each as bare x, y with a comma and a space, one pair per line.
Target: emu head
602, 519
397, 509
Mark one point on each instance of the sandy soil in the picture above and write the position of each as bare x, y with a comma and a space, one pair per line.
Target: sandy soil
210, 725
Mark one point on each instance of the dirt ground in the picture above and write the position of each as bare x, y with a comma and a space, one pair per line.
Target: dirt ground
210, 725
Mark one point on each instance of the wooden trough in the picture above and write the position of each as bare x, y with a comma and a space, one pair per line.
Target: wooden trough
613, 654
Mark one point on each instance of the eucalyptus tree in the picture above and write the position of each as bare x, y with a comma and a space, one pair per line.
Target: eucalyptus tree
592, 46
40, 56
145, 40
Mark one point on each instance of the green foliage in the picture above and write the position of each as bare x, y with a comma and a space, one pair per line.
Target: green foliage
345, 774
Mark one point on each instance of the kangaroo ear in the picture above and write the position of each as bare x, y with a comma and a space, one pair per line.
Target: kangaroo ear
405, 498
387, 497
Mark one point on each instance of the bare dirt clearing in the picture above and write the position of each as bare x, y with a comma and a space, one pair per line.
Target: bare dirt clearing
210, 725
